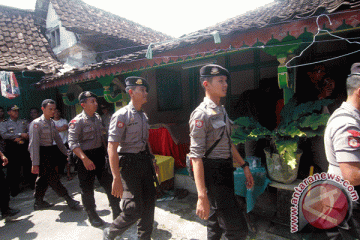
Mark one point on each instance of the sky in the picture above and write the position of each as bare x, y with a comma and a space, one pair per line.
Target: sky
173, 18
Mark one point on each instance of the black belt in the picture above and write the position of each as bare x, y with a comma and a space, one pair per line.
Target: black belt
48, 147
132, 154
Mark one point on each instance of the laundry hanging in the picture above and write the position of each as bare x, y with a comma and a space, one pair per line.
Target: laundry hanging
9, 85
314, 40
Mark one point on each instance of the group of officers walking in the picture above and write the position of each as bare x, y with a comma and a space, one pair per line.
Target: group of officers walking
130, 181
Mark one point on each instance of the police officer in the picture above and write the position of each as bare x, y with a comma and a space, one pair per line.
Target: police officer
210, 127
87, 142
134, 183
15, 133
43, 155
342, 146
6, 211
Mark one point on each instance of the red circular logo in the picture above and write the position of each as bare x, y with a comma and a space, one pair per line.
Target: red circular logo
199, 123
120, 124
325, 206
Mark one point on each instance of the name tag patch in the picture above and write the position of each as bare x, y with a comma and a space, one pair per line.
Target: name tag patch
199, 123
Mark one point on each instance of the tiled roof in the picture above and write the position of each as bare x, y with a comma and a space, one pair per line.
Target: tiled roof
278, 12
22, 46
80, 17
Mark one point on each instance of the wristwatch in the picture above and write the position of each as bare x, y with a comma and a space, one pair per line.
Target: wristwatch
245, 164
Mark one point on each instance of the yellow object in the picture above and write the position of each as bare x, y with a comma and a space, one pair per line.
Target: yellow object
311, 170
166, 167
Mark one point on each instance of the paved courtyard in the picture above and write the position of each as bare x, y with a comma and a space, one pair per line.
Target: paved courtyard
174, 219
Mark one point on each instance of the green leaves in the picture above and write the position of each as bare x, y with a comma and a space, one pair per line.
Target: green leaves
248, 129
303, 120
287, 148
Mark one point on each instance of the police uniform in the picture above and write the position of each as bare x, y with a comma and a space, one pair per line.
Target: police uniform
130, 128
16, 152
5, 197
208, 123
42, 134
86, 133
342, 142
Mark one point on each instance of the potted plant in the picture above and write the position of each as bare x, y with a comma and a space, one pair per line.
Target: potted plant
297, 121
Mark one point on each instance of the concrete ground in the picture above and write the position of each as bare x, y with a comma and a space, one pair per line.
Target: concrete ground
174, 219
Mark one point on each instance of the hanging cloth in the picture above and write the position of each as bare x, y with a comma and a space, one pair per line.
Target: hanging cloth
9, 85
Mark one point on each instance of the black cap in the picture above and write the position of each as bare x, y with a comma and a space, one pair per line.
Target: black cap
212, 70
86, 94
355, 69
137, 81
13, 107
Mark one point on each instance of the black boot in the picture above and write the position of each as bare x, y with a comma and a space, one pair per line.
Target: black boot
116, 211
94, 218
41, 204
9, 212
73, 204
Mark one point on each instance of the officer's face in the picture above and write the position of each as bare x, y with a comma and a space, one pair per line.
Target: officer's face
139, 95
90, 106
49, 110
217, 87
14, 114
34, 114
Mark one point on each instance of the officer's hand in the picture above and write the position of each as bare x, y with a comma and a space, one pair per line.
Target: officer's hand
249, 178
157, 169
89, 165
5, 161
117, 188
18, 139
35, 169
25, 135
203, 208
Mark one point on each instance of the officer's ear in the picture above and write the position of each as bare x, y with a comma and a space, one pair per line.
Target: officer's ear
205, 83
131, 92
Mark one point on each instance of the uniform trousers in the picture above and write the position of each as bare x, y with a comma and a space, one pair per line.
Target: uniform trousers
138, 200
47, 173
226, 216
4, 190
19, 162
87, 179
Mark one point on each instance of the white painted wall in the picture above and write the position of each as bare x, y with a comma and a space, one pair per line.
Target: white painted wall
75, 55
67, 38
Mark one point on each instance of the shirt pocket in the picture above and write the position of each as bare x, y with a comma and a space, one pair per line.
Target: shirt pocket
88, 132
218, 124
45, 134
133, 133
11, 129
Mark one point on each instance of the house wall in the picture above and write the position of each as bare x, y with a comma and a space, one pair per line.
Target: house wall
175, 116
70, 51
29, 96
67, 38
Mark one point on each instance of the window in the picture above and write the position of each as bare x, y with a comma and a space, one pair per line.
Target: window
55, 37
169, 90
